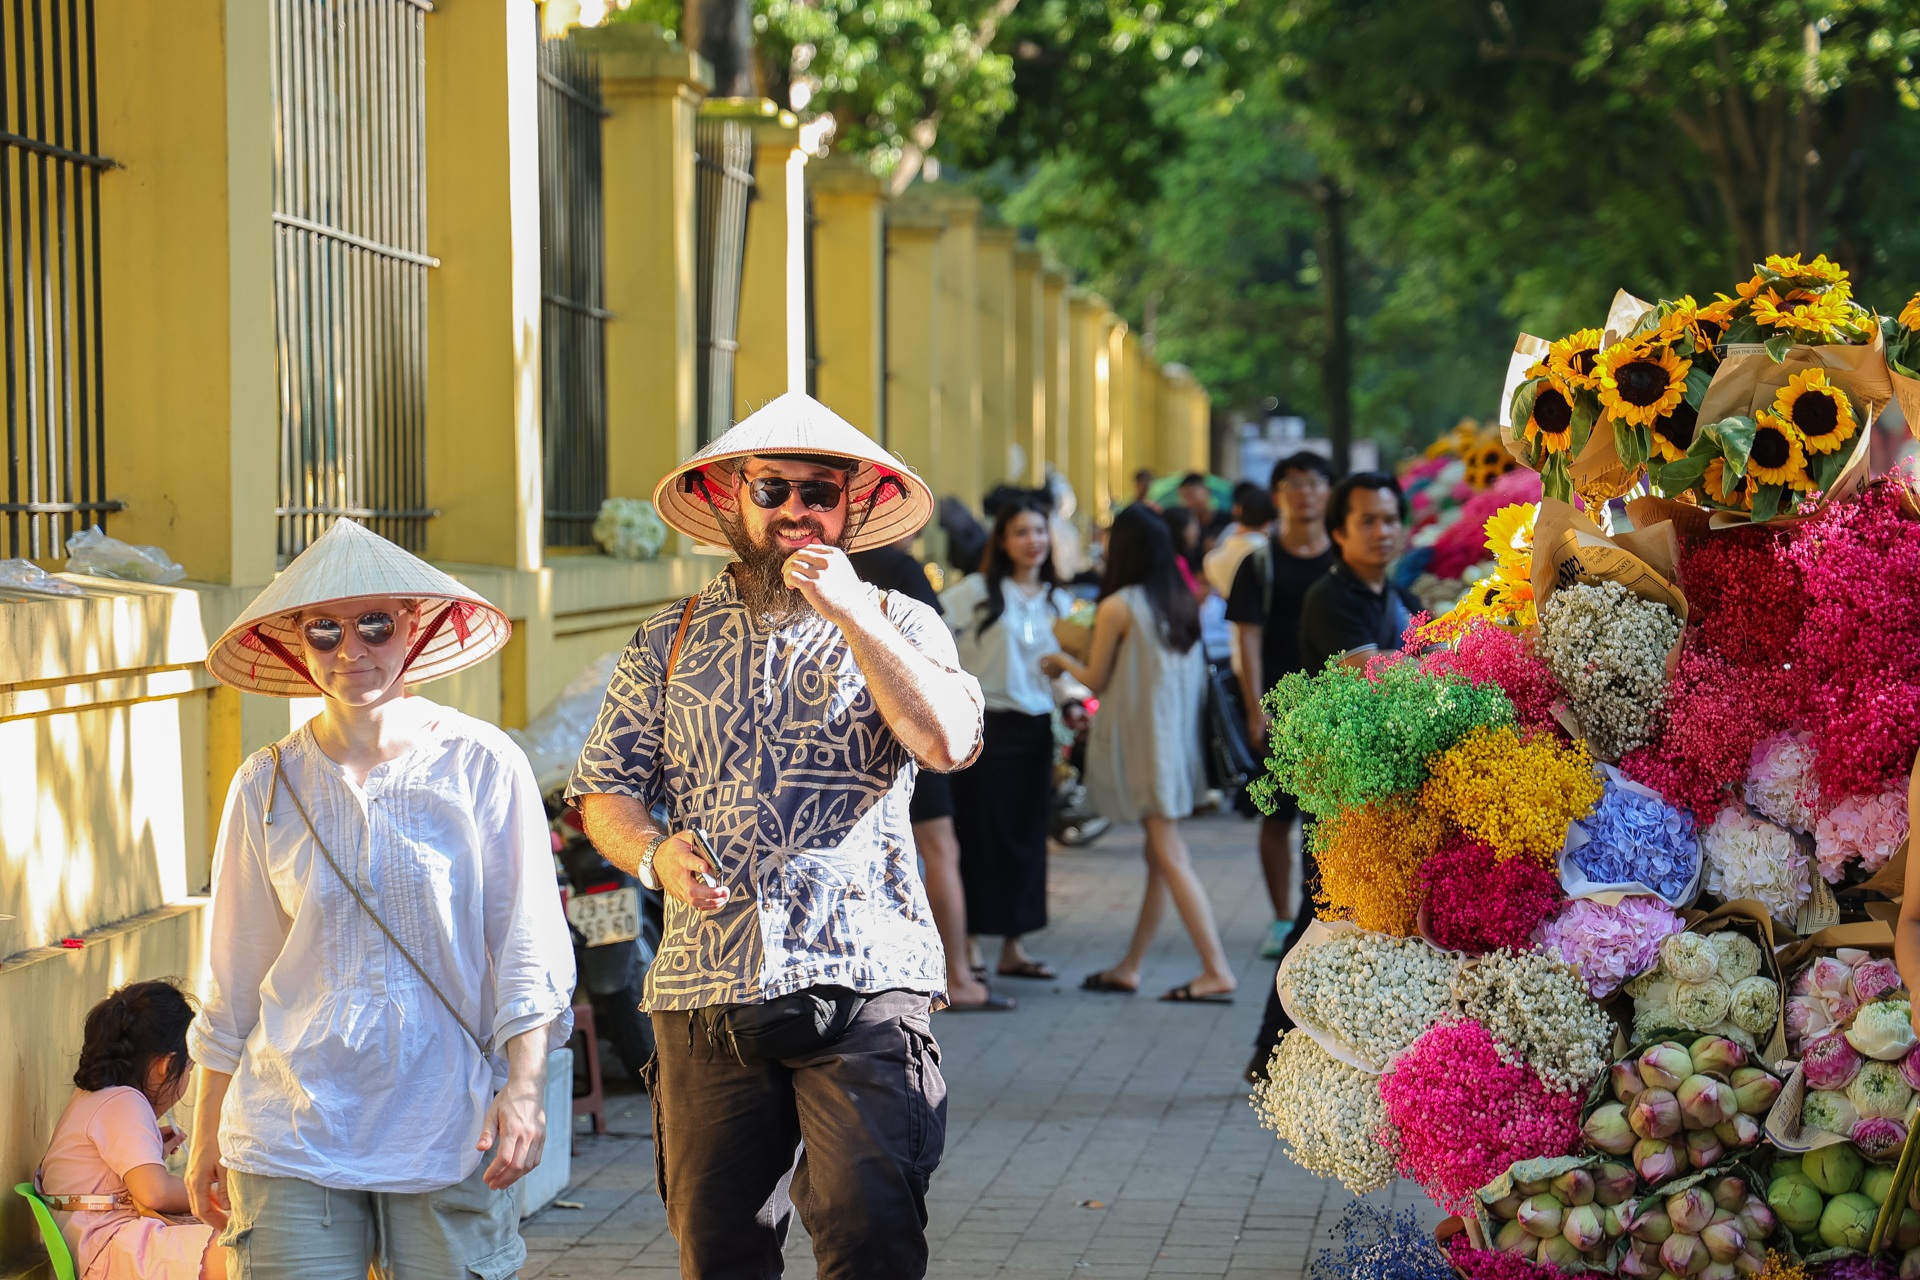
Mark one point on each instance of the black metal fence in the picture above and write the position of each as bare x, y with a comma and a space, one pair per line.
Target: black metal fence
723, 167
350, 264
50, 167
573, 320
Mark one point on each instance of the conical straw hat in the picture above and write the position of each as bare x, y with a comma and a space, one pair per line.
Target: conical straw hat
887, 501
345, 563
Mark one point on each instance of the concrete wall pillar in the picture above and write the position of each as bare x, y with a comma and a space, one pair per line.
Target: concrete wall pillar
483, 302
1029, 363
914, 323
1056, 370
772, 359
1085, 385
186, 278
1107, 444
958, 471
652, 88
849, 283
1002, 452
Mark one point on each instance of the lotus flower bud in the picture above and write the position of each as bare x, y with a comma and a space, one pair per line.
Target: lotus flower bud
1613, 1182
1665, 1065
1717, 1055
1556, 1252
1741, 1131
1797, 1202
1875, 980
1719, 1271
1684, 1255
1756, 1220
1703, 1148
1651, 1226
1705, 1102
1626, 1081
1529, 1187
1910, 1265
1752, 1260
1906, 1232
1724, 1241
1634, 1263
1878, 1137
1910, 1069
1573, 1188
1505, 1207
1614, 1220
1754, 1090
1541, 1215
1691, 1210
1830, 1062
1607, 1129
1656, 1114
1514, 1238
1728, 1193
1583, 1227
1656, 1159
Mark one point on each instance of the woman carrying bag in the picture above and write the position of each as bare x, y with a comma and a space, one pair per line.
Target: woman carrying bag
1143, 752
1002, 619
390, 963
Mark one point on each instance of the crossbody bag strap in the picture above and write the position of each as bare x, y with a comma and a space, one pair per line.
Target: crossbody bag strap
679, 637
280, 783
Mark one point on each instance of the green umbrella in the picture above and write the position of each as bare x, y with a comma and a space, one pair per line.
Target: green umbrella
1167, 489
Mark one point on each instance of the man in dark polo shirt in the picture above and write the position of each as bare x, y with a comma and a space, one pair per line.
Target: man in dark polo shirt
1351, 613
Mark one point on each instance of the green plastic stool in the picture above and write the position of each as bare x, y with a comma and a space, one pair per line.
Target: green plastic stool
57, 1251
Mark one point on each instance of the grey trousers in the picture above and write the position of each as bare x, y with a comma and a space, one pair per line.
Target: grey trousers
291, 1229
849, 1136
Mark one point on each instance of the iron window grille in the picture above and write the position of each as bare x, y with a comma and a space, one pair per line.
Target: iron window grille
573, 332
350, 266
50, 167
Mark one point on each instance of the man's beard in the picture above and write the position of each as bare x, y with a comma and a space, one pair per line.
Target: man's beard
759, 573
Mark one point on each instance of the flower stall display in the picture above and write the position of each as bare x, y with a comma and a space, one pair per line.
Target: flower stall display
1671, 718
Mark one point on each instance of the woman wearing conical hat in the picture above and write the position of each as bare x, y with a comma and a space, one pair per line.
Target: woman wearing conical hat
390, 963
779, 719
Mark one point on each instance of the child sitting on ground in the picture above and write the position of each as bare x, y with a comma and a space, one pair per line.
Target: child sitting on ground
105, 1173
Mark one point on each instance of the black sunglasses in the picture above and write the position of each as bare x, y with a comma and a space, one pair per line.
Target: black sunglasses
323, 635
771, 493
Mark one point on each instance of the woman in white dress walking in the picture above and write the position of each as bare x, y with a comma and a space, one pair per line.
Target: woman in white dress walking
1143, 752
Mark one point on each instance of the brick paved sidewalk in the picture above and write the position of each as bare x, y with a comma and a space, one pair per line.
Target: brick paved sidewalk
1073, 1098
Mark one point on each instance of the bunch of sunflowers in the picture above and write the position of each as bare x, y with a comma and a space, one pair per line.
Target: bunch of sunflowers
1647, 388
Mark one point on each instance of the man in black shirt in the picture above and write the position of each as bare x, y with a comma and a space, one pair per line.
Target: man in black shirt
1349, 614
1264, 607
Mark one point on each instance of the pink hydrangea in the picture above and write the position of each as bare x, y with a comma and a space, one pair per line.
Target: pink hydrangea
1462, 1115
1780, 781
1608, 945
1863, 829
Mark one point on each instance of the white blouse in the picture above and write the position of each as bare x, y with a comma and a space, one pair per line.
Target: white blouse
1006, 660
347, 1070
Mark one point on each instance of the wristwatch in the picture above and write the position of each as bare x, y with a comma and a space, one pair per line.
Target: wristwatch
645, 870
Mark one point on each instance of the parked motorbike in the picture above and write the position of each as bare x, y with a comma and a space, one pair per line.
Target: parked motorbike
616, 925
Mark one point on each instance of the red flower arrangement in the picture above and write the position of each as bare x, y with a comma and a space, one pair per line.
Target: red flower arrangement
1746, 596
1716, 711
1476, 903
1463, 1116
1492, 1264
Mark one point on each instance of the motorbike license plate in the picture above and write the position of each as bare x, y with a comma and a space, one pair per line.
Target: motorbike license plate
602, 918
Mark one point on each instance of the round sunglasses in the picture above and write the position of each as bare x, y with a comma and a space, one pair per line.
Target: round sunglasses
771, 493
323, 635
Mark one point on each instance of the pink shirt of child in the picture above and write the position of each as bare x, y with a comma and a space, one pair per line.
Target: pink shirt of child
100, 1137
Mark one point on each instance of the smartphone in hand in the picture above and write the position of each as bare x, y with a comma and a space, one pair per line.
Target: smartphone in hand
706, 851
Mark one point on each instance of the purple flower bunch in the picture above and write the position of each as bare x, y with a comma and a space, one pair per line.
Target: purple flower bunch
1634, 838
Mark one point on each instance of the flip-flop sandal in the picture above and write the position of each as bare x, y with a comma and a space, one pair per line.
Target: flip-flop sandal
1185, 994
1102, 983
1029, 969
992, 1004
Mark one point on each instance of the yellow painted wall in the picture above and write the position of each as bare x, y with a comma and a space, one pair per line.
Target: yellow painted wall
914, 323
960, 470
1029, 392
483, 301
849, 283
1056, 354
999, 427
1085, 387
652, 89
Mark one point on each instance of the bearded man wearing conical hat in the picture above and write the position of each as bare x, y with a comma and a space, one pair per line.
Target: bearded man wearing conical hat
754, 758
390, 963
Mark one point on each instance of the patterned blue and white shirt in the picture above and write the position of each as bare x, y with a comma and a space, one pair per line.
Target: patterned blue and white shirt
771, 743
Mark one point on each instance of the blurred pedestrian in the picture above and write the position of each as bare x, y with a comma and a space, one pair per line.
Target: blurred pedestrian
1263, 604
1002, 620
1351, 613
1142, 485
1143, 753
894, 568
1252, 525
780, 717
